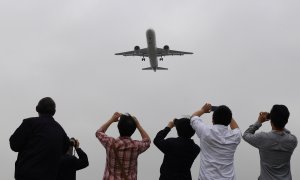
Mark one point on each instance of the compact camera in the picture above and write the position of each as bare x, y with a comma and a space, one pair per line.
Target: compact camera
73, 142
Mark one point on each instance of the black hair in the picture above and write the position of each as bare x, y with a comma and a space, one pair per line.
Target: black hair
126, 125
222, 115
184, 128
46, 106
279, 115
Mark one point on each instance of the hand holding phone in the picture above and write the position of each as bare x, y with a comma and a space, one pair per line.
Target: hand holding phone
213, 108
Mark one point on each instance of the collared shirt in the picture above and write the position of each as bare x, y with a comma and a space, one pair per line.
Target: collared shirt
128, 151
179, 156
218, 145
275, 150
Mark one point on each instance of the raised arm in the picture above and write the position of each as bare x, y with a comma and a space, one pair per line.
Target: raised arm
205, 109
249, 135
143, 133
113, 119
82, 160
159, 139
233, 124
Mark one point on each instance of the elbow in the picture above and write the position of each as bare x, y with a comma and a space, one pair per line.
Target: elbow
156, 141
97, 134
14, 147
87, 163
245, 137
147, 140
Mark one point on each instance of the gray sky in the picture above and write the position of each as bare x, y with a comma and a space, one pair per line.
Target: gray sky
246, 55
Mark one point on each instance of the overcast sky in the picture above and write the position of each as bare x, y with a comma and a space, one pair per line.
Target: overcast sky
246, 55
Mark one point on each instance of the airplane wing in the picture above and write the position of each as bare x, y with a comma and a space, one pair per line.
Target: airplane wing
141, 52
167, 52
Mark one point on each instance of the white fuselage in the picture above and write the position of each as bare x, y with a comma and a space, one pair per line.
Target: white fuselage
151, 42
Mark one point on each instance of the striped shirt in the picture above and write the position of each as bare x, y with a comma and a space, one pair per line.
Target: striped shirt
128, 151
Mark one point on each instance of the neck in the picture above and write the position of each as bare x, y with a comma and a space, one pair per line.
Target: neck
277, 129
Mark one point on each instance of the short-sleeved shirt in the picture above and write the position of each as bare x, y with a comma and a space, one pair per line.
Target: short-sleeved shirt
275, 150
128, 151
218, 145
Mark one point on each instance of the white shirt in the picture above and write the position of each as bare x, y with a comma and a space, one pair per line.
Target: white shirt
218, 145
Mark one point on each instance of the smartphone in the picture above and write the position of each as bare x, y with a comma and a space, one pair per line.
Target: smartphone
213, 108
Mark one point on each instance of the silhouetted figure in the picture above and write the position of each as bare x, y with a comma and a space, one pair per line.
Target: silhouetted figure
275, 147
40, 143
69, 163
179, 153
218, 143
122, 153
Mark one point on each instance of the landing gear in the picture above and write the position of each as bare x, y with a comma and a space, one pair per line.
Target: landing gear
161, 59
143, 59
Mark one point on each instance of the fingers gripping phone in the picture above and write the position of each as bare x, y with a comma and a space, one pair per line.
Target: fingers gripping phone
213, 108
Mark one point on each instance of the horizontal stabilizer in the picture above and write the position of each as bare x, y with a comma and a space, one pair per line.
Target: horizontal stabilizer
161, 68
157, 68
148, 68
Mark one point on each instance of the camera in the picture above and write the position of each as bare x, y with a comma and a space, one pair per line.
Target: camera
73, 142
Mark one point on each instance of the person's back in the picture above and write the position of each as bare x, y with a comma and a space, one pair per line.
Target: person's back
128, 151
276, 154
122, 153
69, 163
275, 147
218, 143
179, 153
40, 142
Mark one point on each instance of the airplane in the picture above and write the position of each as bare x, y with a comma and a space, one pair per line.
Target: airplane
153, 52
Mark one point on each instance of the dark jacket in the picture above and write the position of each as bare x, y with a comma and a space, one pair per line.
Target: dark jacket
40, 142
180, 154
70, 164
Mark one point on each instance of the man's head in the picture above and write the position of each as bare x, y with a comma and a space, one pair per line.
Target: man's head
222, 115
279, 116
46, 106
184, 128
126, 125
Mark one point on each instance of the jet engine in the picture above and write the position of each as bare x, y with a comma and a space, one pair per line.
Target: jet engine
166, 47
136, 48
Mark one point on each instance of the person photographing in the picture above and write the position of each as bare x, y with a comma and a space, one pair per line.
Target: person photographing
69, 163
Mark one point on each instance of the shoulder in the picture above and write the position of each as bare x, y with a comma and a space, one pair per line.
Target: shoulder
236, 131
171, 140
31, 120
144, 142
103, 136
196, 146
292, 138
263, 135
